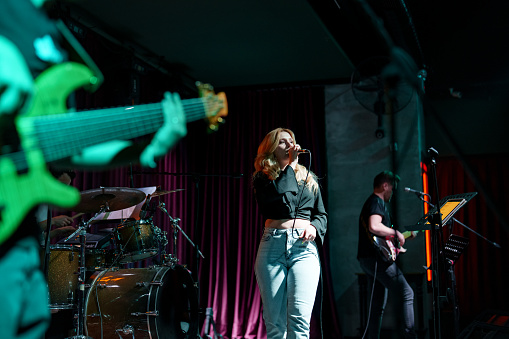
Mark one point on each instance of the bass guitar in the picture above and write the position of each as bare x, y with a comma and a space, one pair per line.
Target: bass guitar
42, 135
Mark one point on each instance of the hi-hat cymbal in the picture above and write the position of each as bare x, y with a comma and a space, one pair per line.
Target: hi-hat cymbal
117, 198
159, 193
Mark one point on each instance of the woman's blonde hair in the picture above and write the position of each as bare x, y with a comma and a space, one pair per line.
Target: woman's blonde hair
266, 162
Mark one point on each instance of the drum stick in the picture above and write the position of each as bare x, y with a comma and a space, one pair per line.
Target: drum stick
77, 215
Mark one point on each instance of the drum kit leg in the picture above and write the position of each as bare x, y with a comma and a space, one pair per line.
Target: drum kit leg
111, 302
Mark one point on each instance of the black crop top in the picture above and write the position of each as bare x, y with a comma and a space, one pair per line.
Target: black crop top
278, 199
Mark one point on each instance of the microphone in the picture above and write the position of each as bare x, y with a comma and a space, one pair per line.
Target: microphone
304, 151
433, 151
419, 193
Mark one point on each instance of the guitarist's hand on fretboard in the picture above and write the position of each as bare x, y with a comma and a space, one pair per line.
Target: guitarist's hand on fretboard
401, 238
173, 129
406, 236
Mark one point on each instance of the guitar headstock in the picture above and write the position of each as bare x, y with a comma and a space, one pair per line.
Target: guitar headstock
216, 106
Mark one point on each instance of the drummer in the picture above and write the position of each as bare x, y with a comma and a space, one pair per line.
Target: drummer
61, 223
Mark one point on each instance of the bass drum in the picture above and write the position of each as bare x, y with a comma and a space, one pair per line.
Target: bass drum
156, 303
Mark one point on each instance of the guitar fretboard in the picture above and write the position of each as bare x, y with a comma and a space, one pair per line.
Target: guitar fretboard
62, 135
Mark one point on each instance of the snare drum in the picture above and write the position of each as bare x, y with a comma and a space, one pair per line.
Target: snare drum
63, 270
137, 240
156, 303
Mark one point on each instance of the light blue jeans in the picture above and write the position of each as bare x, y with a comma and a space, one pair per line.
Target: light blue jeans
287, 271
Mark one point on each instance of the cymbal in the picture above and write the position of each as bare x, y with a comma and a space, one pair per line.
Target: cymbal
117, 198
159, 193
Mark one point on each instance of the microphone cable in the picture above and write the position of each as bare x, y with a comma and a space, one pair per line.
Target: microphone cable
300, 196
371, 300
319, 261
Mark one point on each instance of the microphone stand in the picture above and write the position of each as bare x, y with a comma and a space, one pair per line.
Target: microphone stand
436, 243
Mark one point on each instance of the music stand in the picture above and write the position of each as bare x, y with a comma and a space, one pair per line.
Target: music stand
448, 207
439, 216
453, 249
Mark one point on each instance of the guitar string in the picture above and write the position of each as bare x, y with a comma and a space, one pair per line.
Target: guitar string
194, 110
50, 123
143, 120
94, 114
142, 125
190, 107
117, 118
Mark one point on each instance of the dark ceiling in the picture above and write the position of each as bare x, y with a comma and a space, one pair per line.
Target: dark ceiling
461, 44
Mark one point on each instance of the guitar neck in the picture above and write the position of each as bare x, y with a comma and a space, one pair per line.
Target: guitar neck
407, 234
62, 135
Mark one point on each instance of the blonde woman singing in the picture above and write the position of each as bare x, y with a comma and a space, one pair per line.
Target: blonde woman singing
287, 264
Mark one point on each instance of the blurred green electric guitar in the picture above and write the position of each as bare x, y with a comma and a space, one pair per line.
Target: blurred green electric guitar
42, 135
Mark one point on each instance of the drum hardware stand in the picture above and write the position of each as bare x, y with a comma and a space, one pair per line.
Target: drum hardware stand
45, 264
146, 213
176, 229
128, 329
82, 230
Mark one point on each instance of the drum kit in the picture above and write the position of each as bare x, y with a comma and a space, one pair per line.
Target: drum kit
107, 301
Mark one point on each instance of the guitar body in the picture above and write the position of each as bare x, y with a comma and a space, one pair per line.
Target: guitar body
386, 248
22, 190
389, 247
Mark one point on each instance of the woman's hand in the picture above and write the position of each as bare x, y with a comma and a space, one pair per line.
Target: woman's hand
293, 152
309, 233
